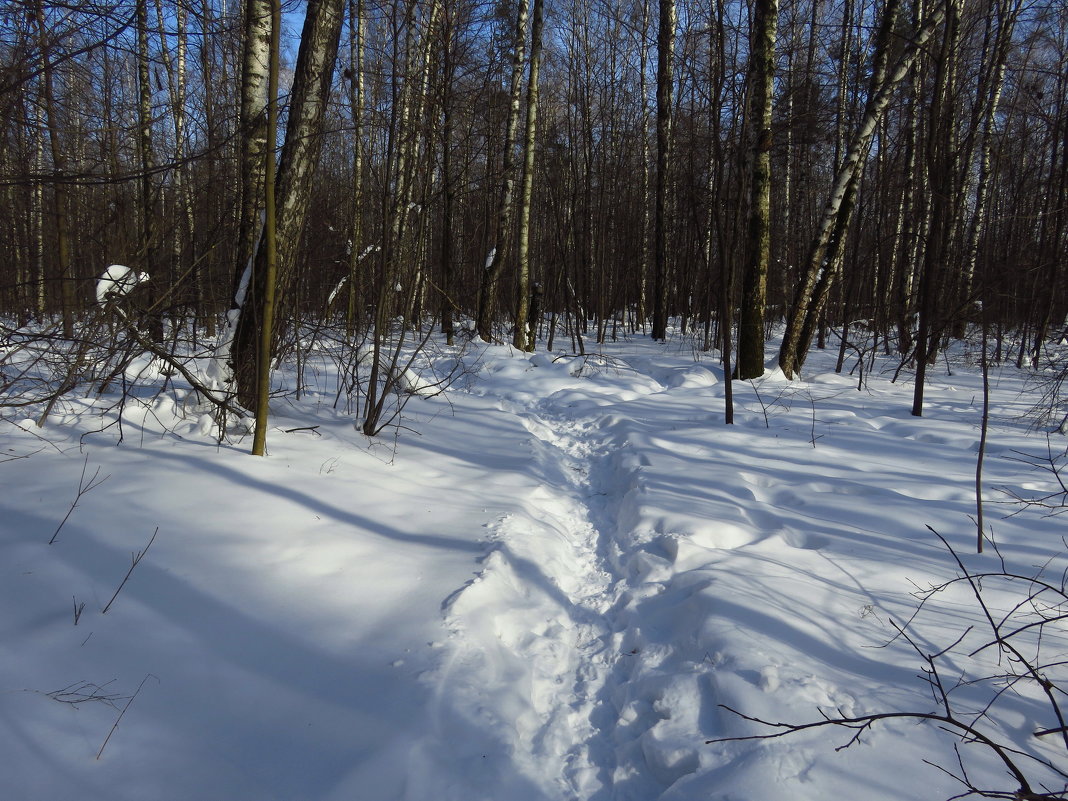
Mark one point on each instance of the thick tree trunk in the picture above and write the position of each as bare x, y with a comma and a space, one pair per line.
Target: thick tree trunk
758, 227
296, 171
941, 157
252, 149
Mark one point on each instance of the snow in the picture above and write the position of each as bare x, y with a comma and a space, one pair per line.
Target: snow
117, 281
545, 587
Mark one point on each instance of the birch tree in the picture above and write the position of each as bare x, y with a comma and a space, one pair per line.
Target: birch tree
494, 264
252, 145
825, 253
524, 339
296, 171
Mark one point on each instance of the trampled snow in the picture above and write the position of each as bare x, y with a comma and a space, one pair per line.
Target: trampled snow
548, 585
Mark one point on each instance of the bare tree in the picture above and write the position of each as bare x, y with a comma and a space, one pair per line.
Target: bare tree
524, 339
825, 254
665, 60
296, 171
494, 264
758, 229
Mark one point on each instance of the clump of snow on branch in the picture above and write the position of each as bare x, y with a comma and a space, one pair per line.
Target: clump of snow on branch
118, 281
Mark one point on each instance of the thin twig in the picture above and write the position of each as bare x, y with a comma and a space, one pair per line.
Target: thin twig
135, 560
115, 725
83, 487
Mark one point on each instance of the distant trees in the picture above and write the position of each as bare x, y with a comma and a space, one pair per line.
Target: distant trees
897, 163
827, 252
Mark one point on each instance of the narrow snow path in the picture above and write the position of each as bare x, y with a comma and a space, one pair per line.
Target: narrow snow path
643, 566
545, 639
532, 635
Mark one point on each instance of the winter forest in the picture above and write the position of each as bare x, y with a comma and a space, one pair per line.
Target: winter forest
660, 400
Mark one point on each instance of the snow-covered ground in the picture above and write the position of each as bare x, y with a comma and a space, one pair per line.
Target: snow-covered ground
544, 587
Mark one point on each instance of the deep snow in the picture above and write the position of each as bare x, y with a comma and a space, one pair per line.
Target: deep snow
543, 588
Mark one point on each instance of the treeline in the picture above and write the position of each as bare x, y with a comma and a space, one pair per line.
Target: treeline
127, 135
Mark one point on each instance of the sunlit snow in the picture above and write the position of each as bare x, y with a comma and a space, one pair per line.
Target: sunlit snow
545, 586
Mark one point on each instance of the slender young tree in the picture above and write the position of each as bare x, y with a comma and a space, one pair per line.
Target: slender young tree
524, 339
665, 59
60, 202
357, 92
270, 241
148, 249
448, 72
495, 261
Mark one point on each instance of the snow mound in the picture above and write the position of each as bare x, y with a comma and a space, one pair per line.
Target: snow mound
118, 281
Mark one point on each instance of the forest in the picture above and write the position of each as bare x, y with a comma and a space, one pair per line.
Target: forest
527, 168
665, 400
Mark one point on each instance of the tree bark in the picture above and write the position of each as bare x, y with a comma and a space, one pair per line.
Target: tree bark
61, 209
356, 104
758, 228
665, 57
521, 338
296, 172
941, 155
823, 260
270, 241
252, 149
148, 250
494, 264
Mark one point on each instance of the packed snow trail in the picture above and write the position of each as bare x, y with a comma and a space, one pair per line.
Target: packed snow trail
650, 565
545, 637
534, 626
